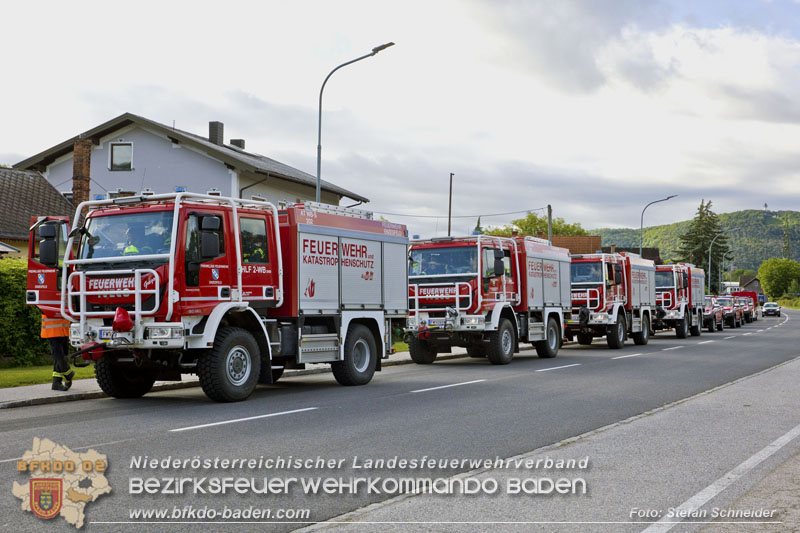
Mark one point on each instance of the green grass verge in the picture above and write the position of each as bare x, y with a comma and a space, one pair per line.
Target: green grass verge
33, 375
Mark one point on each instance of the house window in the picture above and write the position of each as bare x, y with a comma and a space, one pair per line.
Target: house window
121, 156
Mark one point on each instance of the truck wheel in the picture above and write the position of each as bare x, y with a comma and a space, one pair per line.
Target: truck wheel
643, 337
585, 339
682, 328
712, 326
549, 347
721, 324
615, 335
229, 371
123, 382
697, 326
738, 323
501, 343
475, 351
421, 351
360, 357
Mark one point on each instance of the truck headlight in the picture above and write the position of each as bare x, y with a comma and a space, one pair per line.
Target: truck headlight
75, 332
472, 320
163, 333
600, 316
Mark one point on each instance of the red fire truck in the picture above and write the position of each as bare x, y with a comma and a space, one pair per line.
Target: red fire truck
753, 306
487, 294
680, 299
232, 290
613, 295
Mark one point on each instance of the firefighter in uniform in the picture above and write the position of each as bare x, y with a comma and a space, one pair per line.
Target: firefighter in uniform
56, 331
134, 236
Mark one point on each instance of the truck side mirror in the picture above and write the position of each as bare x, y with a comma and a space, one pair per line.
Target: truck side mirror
48, 246
617, 274
210, 223
499, 268
498, 254
209, 245
685, 280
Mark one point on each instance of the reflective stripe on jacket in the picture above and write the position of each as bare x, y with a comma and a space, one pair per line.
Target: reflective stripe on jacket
54, 327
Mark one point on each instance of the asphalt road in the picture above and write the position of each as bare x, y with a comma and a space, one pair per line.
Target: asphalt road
458, 409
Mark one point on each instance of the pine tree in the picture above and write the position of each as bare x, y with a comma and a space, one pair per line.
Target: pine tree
694, 244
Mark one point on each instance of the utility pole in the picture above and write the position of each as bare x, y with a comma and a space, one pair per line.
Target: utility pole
450, 206
549, 224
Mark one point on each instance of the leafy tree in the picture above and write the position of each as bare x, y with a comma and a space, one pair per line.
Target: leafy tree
776, 275
534, 224
794, 288
695, 242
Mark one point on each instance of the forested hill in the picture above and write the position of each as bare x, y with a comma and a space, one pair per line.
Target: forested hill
760, 236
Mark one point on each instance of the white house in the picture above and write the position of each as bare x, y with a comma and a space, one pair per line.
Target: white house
131, 153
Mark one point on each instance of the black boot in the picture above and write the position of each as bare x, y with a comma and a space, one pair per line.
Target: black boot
68, 379
57, 385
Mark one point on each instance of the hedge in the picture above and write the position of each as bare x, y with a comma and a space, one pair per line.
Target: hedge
20, 323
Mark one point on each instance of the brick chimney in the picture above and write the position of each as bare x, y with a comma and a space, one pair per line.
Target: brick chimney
215, 132
239, 143
81, 165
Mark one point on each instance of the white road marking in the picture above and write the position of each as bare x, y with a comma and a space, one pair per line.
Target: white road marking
243, 419
448, 386
557, 367
704, 342
746, 334
626, 356
673, 348
704, 496
759, 331
731, 337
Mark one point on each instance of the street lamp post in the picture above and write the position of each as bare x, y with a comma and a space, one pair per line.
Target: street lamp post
641, 222
319, 121
709, 255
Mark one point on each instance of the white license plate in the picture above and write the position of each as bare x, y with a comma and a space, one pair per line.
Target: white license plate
106, 334
437, 323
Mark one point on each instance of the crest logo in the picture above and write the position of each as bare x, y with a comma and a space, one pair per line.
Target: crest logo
215, 273
40, 277
46, 497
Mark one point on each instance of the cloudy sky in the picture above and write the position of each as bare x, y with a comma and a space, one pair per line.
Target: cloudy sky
596, 107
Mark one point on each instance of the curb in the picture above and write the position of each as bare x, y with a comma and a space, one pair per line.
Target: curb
185, 385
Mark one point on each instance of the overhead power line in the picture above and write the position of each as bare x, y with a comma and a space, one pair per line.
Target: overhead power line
483, 215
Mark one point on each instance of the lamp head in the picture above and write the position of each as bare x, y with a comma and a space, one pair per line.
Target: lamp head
381, 47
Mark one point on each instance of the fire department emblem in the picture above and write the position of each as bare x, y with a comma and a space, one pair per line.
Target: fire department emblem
310, 289
46, 497
40, 277
215, 273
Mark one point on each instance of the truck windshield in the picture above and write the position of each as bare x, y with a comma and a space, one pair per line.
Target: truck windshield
126, 235
709, 301
664, 279
587, 273
443, 261
725, 302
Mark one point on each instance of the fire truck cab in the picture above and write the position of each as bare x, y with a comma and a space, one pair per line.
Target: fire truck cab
613, 294
680, 297
230, 289
487, 294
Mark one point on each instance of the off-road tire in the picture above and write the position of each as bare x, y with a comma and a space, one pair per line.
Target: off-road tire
615, 335
500, 350
584, 339
123, 381
360, 357
477, 352
421, 351
229, 371
643, 337
721, 324
548, 348
696, 329
682, 328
